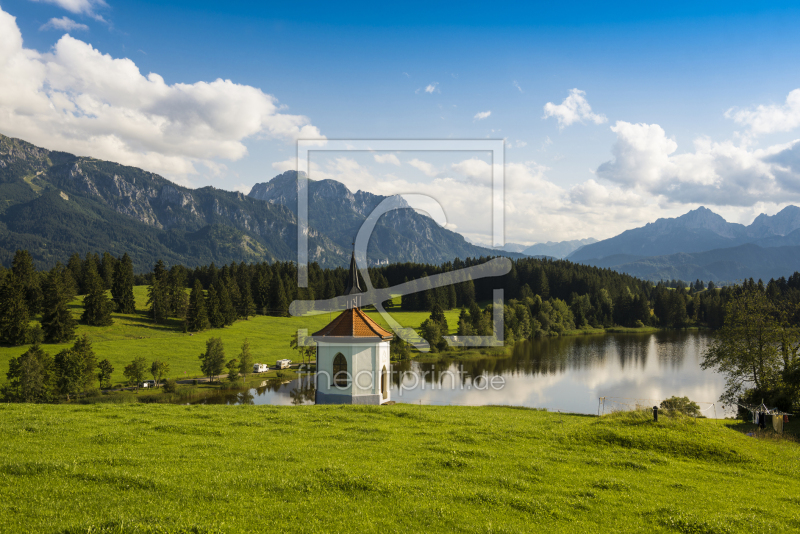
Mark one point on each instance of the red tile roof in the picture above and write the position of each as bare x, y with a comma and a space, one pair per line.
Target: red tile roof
353, 323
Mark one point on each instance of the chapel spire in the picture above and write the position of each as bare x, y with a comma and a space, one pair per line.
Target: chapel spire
353, 286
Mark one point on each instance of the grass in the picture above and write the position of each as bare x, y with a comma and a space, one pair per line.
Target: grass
136, 335
170, 468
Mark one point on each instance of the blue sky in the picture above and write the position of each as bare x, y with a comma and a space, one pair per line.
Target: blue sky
673, 94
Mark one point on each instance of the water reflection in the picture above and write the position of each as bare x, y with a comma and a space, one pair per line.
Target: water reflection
567, 373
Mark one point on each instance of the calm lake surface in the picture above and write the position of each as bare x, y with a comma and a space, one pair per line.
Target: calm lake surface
570, 374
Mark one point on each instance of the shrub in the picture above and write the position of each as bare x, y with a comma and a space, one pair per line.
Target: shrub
170, 386
681, 405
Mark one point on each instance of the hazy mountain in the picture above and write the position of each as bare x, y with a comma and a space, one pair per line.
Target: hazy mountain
55, 204
701, 244
557, 249
513, 247
696, 231
721, 265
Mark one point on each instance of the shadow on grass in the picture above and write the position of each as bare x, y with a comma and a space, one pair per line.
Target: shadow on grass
791, 431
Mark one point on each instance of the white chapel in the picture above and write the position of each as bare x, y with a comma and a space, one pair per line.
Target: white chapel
352, 355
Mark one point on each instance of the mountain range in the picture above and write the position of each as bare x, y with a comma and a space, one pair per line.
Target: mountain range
701, 244
55, 204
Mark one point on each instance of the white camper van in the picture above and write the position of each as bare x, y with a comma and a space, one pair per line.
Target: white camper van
260, 368
283, 364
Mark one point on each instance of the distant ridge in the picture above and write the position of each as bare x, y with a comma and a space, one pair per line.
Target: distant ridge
702, 244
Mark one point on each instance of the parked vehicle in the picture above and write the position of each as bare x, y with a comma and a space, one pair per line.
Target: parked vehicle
283, 364
260, 368
148, 384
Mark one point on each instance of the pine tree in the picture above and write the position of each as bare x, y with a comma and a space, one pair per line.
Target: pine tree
90, 270
279, 304
107, 267
25, 272
197, 315
176, 289
58, 323
14, 315
83, 349
245, 359
75, 266
261, 290
248, 306
158, 294
236, 300
215, 317
122, 286
96, 305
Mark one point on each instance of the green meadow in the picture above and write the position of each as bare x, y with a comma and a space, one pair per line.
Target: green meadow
136, 335
402, 468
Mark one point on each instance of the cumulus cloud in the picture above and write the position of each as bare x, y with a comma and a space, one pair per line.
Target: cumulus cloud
717, 173
432, 87
427, 168
64, 23
536, 209
482, 115
770, 119
77, 99
573, 109
476, 170
79, 7
387, 158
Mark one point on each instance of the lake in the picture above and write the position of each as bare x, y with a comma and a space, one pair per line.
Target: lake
578, 374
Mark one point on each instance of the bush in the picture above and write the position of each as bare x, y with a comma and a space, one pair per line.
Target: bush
681, 405
170, 386
194, 382
35, 335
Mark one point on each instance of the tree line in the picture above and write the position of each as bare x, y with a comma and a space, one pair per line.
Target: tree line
557, 294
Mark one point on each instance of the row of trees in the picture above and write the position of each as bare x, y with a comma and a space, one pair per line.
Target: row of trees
26, 293
219, 296
213, 362
35, 376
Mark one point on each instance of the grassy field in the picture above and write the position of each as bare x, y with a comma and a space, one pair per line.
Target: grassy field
136, 335
109, 468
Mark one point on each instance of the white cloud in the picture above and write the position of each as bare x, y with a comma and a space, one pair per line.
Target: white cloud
432, 87
515, 84
387, 158
482, 115
476, 170
772, 118
79, 7
573, 109
64, 23
79, 100
426, 168
716, 173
